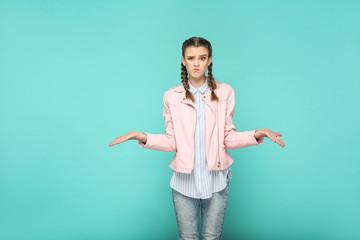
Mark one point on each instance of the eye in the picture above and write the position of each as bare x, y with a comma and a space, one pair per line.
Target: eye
203, 58
189, 58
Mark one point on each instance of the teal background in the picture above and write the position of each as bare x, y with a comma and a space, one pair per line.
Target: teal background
74, 75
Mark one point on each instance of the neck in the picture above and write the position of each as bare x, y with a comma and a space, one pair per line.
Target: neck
197, 82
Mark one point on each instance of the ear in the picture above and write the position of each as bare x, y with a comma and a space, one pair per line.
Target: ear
183, 60
209, 61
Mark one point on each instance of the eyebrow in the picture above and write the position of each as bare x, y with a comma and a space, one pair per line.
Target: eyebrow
200, 55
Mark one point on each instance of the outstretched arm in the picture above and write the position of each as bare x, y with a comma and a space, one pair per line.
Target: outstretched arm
234, 139
161, 142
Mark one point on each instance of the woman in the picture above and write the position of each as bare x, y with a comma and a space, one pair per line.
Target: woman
198, 127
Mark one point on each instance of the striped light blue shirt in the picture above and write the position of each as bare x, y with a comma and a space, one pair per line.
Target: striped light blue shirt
201, 182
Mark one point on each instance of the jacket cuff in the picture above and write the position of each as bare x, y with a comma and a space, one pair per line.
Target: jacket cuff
145, 145
258, 141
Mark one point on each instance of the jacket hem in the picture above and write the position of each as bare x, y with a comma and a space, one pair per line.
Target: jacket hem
181, 170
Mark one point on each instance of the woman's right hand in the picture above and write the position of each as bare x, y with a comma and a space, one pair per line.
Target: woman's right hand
124, 138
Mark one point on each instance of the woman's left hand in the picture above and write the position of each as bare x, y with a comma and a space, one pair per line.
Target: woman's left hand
270, 134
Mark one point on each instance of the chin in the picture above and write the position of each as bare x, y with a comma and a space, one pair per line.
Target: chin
198, 74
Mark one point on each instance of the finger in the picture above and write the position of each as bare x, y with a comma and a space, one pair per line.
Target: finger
119, 138
114, 143
276, 139
272, 137
280, 142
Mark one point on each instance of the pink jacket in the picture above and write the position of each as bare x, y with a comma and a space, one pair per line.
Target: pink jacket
220, 133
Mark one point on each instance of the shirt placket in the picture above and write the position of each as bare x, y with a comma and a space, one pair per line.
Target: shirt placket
199, 174
197, 163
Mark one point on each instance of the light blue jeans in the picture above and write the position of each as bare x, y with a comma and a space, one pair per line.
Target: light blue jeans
187, 212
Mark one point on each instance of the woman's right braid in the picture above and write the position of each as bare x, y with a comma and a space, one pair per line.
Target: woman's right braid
185, 83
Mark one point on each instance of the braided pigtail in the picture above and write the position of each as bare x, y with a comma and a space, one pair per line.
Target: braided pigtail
184, 79
212, 83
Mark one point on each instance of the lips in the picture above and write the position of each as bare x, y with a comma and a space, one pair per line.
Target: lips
196, 69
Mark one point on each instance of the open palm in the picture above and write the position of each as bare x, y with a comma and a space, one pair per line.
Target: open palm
124, 138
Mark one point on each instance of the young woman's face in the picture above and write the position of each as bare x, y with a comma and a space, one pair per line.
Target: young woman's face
196, 61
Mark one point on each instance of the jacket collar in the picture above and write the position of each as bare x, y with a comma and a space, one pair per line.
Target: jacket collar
206, 95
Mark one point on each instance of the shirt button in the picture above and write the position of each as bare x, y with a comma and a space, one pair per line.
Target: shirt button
204, 96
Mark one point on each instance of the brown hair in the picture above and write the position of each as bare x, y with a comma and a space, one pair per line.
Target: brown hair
197, 42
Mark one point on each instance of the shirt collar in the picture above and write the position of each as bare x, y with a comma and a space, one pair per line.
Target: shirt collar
202, 89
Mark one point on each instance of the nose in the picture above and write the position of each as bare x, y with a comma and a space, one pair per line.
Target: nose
196, 63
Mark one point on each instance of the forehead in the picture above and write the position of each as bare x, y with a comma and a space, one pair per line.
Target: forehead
196, 51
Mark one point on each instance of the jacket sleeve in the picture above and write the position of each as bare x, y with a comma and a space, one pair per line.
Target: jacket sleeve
233, 139
162, 142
